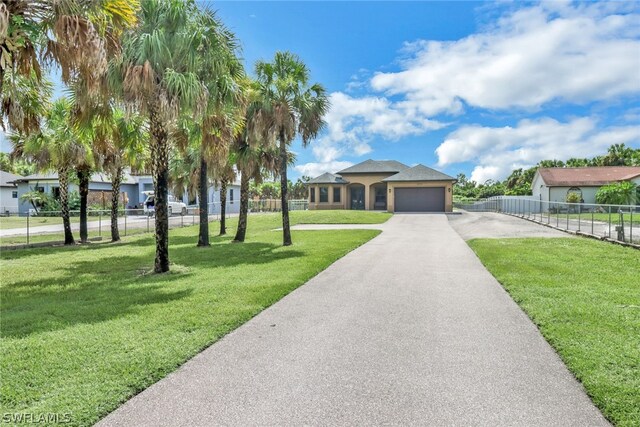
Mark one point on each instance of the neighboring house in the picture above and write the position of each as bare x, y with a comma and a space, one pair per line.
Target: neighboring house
383, 185
8, 193
131, 190
553, 184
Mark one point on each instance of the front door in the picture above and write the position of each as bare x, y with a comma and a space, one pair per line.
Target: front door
357, 198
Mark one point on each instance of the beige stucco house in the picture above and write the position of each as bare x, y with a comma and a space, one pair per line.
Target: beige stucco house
385, 185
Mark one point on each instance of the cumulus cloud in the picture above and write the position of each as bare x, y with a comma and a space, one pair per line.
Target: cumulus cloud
316, 169
498, 150
528, 58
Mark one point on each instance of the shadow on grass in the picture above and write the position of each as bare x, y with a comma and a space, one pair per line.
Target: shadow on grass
104, 288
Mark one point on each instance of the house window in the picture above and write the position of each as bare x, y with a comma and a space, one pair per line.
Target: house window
40, 189
55, 192
14, 194
312, 194
336, 195
231, 196
324, 194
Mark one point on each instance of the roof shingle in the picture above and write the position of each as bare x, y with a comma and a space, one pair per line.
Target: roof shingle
587, 176
419, 173
328, 178
375, 166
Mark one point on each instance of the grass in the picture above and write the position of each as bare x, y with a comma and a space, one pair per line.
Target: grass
584, 295
339, 217
8, 222
86, 328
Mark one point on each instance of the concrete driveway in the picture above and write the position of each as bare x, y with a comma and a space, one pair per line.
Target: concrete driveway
409, 329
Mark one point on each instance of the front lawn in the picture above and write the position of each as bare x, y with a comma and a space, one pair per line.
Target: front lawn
584, 295
86, 328
339, 217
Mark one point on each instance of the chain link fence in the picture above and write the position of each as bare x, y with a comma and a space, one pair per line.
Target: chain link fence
46, 227
612, 222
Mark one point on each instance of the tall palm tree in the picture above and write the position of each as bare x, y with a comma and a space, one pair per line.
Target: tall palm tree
254, 161
158, 72
77, 35
56, 146
290, 107
224, 175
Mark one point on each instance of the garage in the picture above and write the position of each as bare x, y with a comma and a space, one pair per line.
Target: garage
419, 199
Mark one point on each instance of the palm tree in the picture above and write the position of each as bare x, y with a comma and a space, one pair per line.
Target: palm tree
119, 142
56, 146
254, 161
290, 107
77, 35
158, 72
224, 175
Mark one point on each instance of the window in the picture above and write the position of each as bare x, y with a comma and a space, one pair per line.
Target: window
312, 193
14, 194
324, 194
336, 194
231, 196
40, 189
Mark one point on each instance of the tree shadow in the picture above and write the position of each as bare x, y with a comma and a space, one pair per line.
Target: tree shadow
101, 289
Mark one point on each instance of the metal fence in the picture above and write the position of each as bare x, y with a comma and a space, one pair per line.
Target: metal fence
46, 227
615, 222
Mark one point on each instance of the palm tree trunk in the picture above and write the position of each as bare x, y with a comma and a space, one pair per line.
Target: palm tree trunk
63, 179
160, 160
203, 238
116, 180
286, 230
223, 207
244, 208
83, 177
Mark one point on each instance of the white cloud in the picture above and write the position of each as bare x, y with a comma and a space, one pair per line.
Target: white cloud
316, 169
499, 150
530, 57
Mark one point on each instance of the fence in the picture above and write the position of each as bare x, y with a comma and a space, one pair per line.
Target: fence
615, 222
47, 227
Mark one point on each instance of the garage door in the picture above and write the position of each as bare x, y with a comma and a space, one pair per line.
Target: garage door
419, 199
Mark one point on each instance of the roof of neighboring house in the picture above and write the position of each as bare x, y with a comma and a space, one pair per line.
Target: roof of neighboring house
419, 173
587, 176
6, 179
328, 178
95, 177
375, 166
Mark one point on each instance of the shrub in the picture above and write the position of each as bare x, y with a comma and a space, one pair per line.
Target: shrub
573, 197
619, 193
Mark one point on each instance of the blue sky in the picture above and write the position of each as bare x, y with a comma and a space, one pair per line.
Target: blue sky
478, 88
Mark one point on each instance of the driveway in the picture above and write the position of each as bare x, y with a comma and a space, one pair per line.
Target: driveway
480, 225
408, 329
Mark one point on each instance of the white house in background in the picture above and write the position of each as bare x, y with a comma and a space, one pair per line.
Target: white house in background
553, 184
8, 193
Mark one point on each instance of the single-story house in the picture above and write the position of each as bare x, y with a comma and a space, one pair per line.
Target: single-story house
386, 185
131, 190
8, 193
553, 184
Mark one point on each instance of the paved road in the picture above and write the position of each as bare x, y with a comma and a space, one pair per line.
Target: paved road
475, 225
409, 329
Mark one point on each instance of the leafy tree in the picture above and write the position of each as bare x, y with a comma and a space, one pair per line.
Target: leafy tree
290, 107
619, 193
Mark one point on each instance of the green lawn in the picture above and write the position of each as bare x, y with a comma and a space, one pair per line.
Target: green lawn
85, 328
7, 222
339, 217
584, 295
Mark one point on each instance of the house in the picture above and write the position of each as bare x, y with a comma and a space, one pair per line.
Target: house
553, 184
8, 193
385, 185
132, 191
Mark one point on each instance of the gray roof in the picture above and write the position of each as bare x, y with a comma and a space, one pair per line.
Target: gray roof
95, 177
6, 179
375, 166
419, 173
328, 178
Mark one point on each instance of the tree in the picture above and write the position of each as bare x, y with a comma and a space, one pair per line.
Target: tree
290, 107
56, 146
158, 73
619, 193
77, 35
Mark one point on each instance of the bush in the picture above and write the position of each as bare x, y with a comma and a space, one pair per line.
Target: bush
573, 197
619, 193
